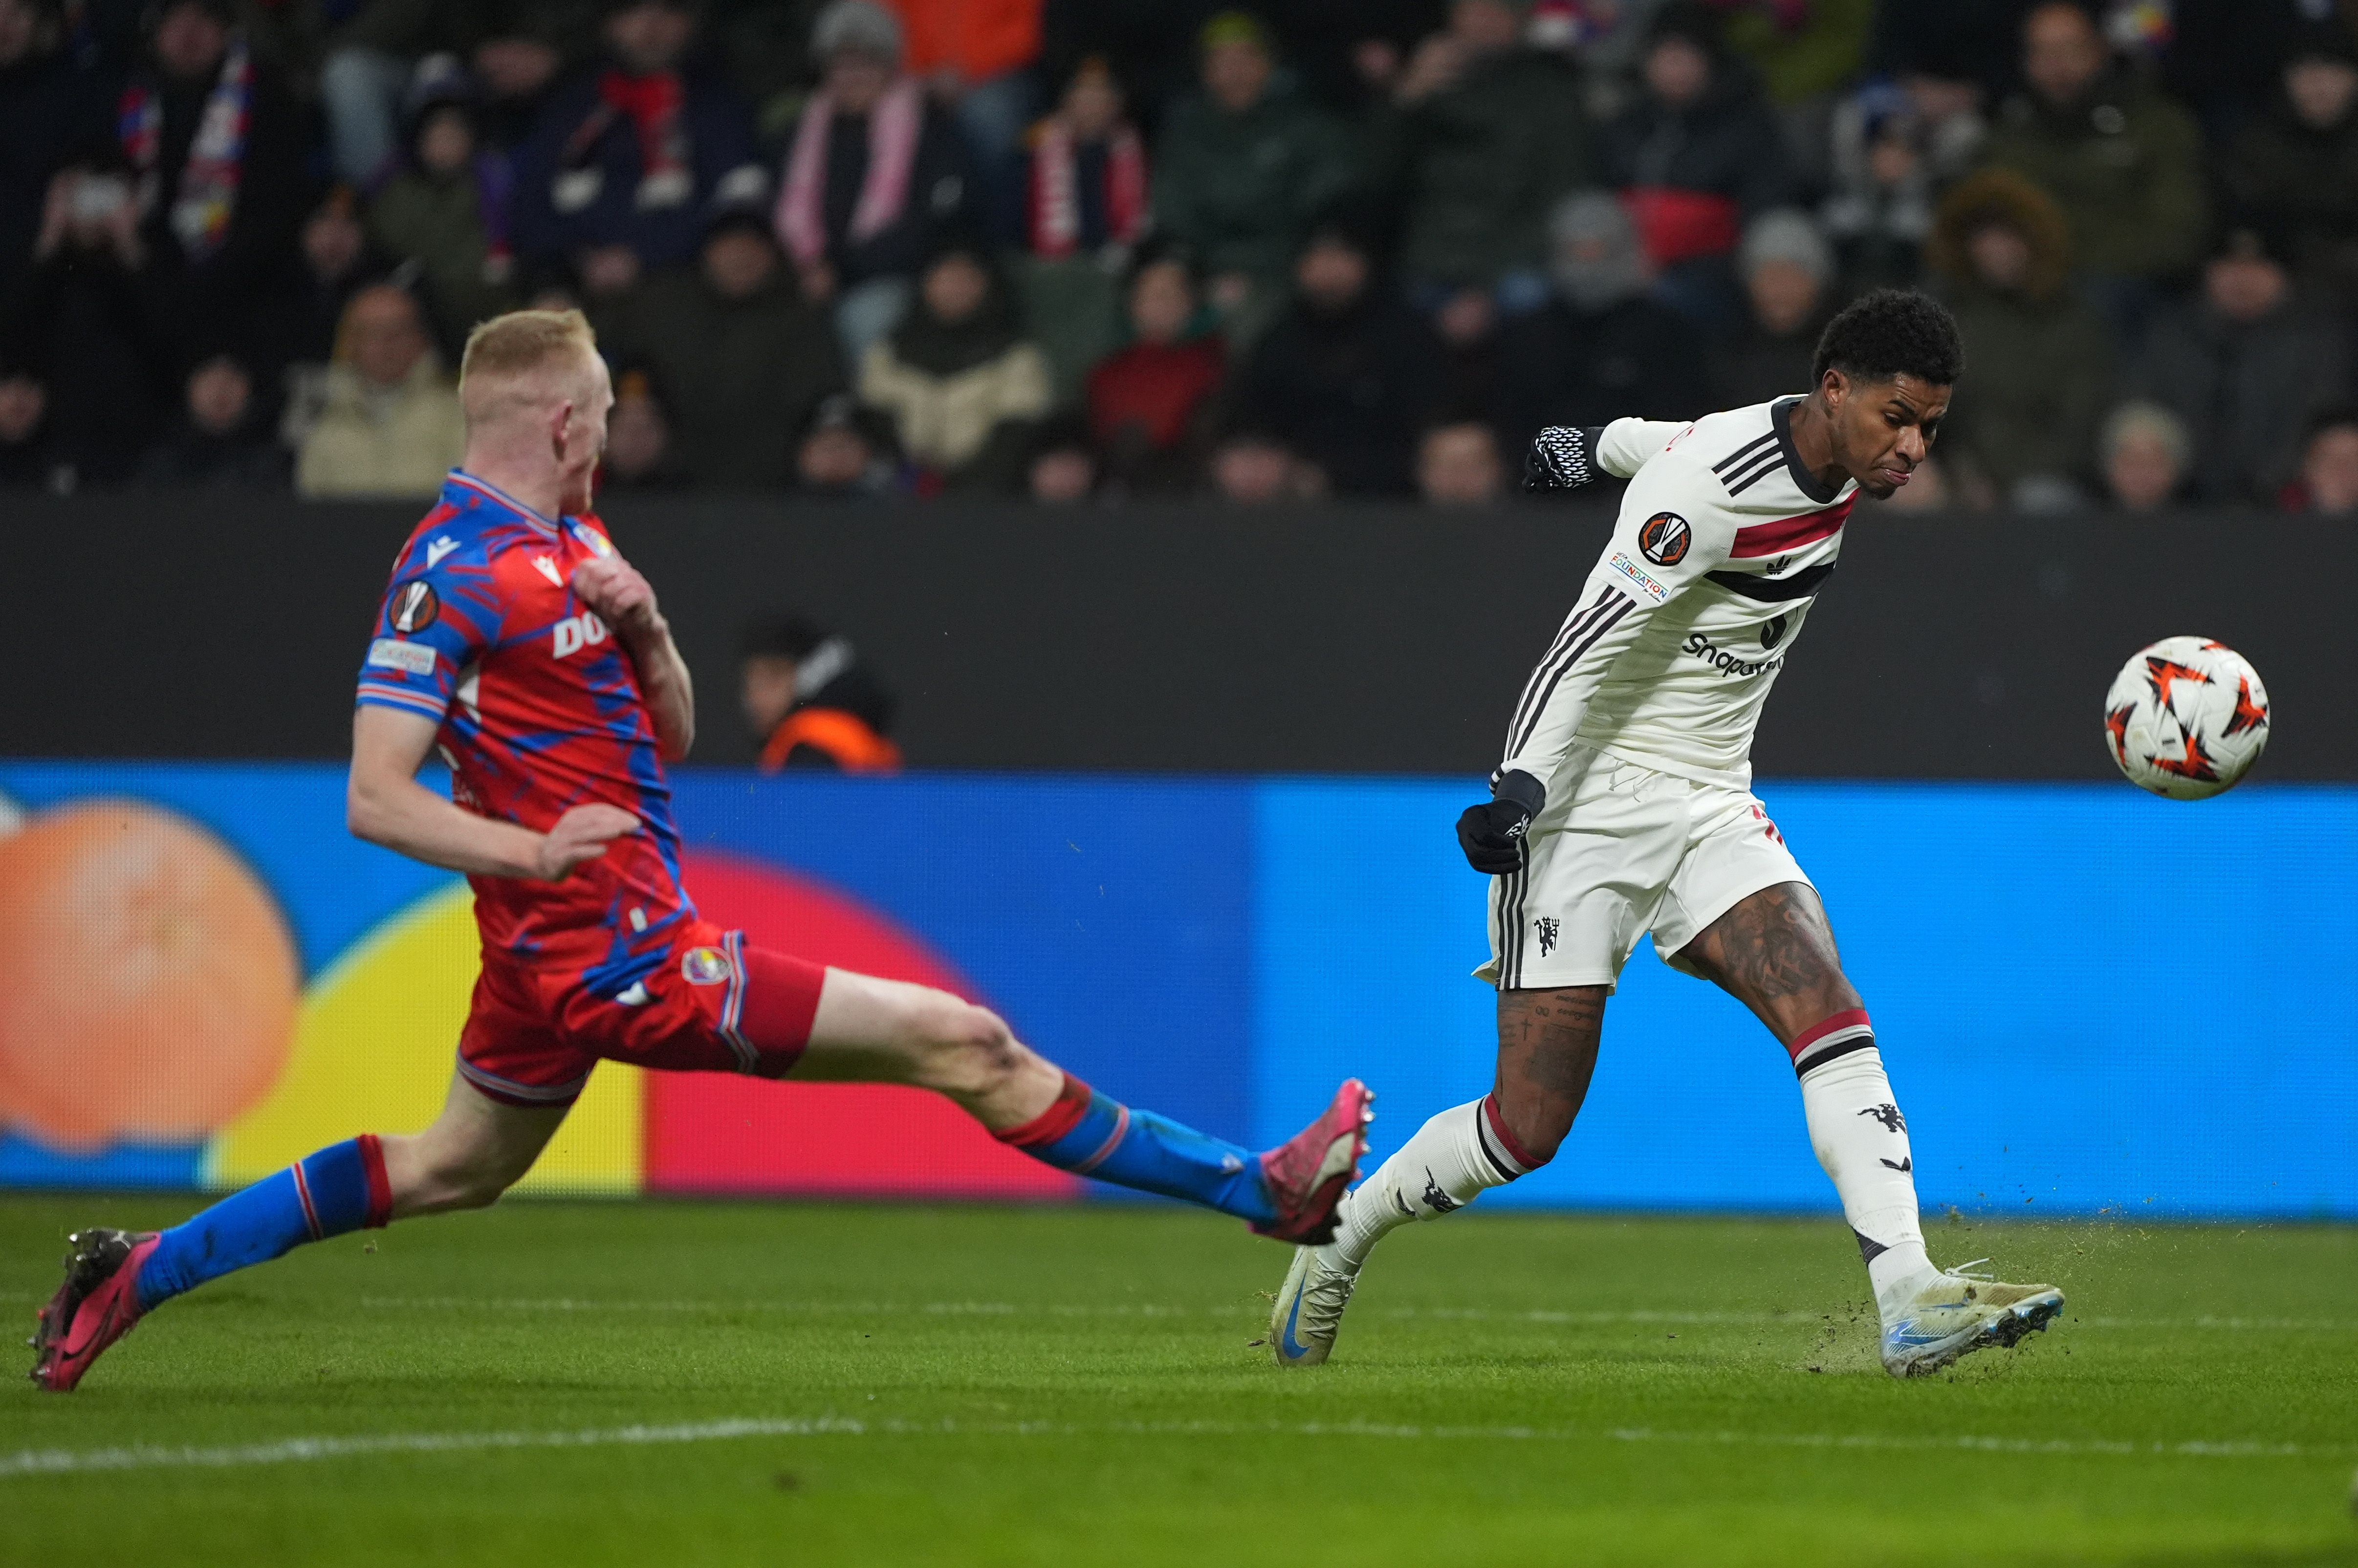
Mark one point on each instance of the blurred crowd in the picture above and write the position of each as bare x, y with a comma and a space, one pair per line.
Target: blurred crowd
1092, 249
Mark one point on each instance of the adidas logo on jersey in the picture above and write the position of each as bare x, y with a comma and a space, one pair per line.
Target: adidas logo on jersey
576, 632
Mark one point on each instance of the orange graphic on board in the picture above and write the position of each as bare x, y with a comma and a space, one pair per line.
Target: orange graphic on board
148, 979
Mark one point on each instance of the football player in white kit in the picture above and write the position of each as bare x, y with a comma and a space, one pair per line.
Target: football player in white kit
1623, 806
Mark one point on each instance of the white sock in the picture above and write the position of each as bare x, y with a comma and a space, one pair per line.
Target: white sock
1862, 1140
1452, 1160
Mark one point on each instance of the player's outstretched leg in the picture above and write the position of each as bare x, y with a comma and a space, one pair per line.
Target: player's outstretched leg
1547, 1051
874, 1031
1775, 953
476, 1150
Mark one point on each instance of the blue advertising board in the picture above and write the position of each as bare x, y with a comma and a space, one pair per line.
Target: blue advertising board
2088, 999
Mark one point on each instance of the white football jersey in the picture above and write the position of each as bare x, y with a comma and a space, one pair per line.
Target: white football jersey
1723, 542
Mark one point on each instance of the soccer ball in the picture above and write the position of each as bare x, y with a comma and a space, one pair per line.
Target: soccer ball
2186, 718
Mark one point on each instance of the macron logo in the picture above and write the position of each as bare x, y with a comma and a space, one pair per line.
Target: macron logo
548, 566
439, 548
576, 632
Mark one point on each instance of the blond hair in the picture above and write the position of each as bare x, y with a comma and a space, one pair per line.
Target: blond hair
505, 354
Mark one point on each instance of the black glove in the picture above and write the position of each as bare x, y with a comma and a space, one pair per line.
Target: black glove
1562, 458
1492, 833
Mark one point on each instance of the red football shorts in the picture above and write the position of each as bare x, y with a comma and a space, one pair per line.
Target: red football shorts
714, 1005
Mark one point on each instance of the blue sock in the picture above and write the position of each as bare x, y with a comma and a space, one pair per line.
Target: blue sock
343, 1187
1090, 1135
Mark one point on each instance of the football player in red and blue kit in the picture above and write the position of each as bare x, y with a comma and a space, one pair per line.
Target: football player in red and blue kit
519, 645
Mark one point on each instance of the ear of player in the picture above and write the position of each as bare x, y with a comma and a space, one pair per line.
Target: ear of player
1492, 833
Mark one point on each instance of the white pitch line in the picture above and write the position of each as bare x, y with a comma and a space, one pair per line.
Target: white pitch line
307, 1449
1446, 1314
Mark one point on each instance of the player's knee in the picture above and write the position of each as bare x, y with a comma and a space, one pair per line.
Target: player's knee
965, 1050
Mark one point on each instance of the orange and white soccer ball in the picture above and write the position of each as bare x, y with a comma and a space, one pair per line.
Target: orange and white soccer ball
2186, 718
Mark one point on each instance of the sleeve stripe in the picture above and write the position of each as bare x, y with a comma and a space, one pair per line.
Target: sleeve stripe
393, 697
1574, 624
1610, 619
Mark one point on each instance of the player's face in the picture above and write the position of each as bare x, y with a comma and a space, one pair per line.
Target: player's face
586, 438
1885, 429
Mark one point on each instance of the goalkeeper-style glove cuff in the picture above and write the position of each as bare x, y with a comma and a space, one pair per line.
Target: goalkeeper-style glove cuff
1563, 457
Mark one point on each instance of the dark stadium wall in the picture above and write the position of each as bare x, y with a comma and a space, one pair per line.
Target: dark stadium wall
1332, 639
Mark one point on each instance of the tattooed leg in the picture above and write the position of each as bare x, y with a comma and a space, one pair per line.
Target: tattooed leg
1547, 1049
1547, 1053
1775, 953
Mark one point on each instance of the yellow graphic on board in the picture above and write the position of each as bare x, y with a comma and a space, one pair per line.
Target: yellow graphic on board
373, 1053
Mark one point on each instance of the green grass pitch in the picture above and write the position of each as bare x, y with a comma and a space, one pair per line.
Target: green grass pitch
662, 1384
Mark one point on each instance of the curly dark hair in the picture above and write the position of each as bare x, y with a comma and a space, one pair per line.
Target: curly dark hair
1891, 333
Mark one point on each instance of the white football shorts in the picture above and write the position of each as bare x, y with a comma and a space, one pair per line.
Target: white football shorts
1620, 851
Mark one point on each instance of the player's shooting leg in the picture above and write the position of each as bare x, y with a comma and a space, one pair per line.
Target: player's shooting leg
873, 1031
887, 1031
1775, 953
476, 1150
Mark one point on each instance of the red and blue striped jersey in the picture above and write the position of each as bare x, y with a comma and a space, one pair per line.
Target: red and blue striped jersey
540, 711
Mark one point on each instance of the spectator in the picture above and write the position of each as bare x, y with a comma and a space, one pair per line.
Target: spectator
220, 441
27, 459
2023, 427
1148, 403
638, 439
89, 316
215, 148
2247, 364
1605, 347
1804, 53
2294, 171
1240, 170
961, 386
36, 90
1484, 135
810, 704
1064, 464
1348, 375
742, 358
2329, 466
1087, 210
446, 208
976, 56
333, 261
875, 179
1895, 147
1787, 270
390, 425
178, 218
1254, 468
1697, 154
625, 160
2143, 449
2122, 161
1087, 187
845, 453
516, 49
1457, 464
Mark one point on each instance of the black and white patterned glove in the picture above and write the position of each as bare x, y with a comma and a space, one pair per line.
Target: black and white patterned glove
1563, 457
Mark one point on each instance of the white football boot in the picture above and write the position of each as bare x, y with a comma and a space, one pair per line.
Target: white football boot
1958, 1313
1309, 1310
